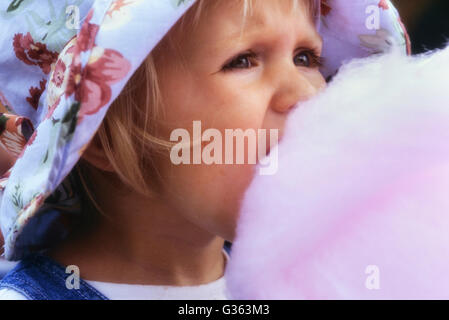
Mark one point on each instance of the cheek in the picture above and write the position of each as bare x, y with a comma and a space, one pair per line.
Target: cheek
318, 81
238, 105
210, 195
217, 104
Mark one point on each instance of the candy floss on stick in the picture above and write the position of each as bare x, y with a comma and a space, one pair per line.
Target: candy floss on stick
359, 207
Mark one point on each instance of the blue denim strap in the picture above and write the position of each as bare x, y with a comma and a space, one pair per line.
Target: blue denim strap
38, 277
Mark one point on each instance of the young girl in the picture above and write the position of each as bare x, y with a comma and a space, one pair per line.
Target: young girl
156, 230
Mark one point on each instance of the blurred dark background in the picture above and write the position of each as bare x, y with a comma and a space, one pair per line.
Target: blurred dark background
427, 22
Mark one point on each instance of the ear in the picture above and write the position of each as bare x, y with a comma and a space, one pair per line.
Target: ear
94, 154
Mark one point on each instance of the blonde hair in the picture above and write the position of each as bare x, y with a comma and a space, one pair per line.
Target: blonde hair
128, 134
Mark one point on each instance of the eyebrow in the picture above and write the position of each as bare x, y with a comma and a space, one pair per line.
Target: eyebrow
311, 38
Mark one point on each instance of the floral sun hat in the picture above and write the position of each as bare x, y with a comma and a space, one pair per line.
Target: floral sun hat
57, 82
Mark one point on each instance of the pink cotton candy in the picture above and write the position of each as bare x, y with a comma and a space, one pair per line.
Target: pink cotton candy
359, 207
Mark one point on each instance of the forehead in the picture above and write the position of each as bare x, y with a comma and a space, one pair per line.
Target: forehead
213, 28
311, 7
263, 13
229, 18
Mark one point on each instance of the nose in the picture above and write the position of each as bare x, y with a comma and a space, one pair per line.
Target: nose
292, 86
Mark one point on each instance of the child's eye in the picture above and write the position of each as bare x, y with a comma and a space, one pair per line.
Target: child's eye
243, 61
308, 59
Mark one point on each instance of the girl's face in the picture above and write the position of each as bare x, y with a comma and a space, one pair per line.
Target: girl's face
228, 76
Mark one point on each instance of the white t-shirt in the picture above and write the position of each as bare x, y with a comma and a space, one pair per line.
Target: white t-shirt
215, 290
